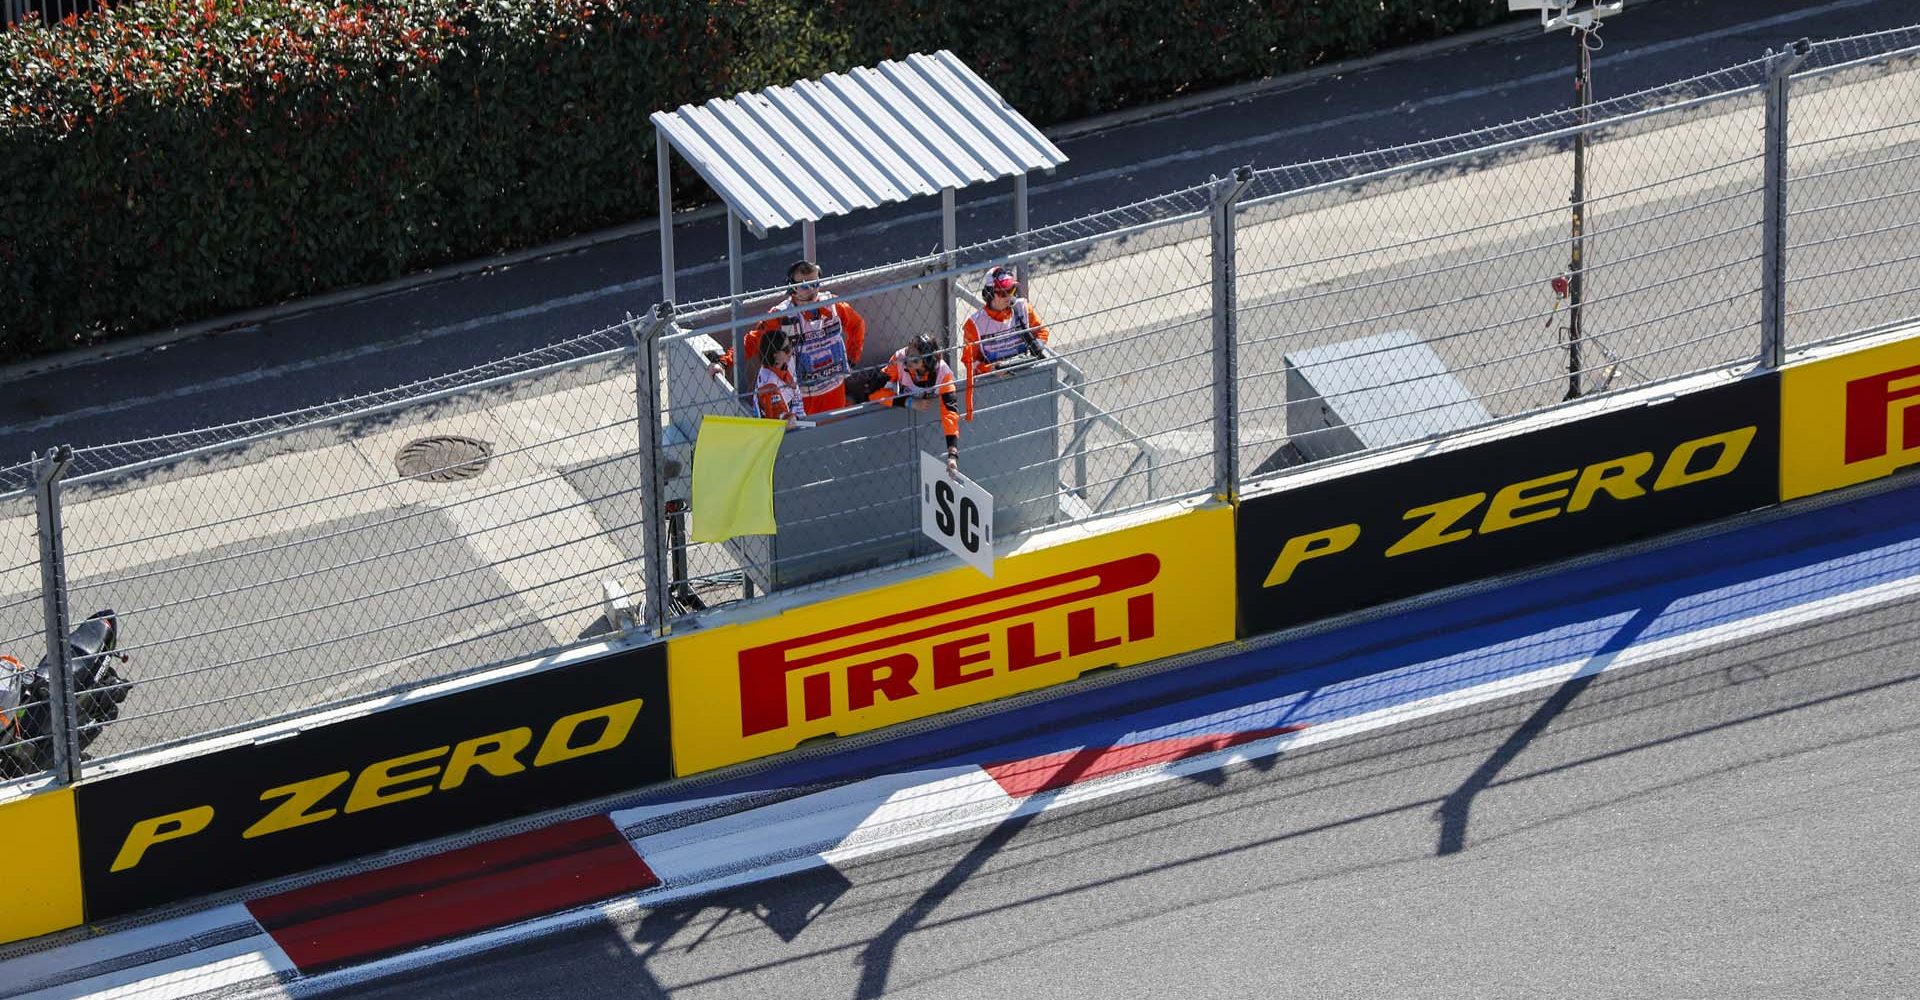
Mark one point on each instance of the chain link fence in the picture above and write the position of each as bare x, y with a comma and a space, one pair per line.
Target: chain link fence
361, 553
1853, 192
13, 12
1423, 299
22, 634
1196, 342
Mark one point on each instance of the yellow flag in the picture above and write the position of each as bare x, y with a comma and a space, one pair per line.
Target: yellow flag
733, 477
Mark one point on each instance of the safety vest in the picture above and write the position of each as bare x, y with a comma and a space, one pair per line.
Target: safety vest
903, 381
1001, 339
773, 388
903, 385
14, 683
820, 359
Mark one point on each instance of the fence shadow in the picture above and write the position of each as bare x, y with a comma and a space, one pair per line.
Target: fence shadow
1456, 810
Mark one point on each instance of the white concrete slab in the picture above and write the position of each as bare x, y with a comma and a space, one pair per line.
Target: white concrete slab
105, 533
543, 538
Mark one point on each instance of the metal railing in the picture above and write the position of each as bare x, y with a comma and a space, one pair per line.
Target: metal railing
1212, 338
13, 12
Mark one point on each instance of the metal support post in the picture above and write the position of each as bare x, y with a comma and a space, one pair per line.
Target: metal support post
653, 495
735, 285
1576, 264
663, 159
809, 241
1082, 426
64, 724
1226, 367
949, 240
1773, 226
1020, 225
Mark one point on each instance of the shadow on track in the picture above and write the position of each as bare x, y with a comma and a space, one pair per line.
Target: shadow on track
1455, 812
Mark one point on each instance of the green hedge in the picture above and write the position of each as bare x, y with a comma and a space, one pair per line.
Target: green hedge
168, 161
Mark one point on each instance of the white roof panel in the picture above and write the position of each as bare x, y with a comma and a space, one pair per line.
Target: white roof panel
953, 118
854, 140
876, 185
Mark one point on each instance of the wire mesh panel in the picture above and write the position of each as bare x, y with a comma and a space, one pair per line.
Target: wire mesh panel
414, 542
1418, 301
23, 745
1417, 273
1131, 318
1673, 247
1853, 197
242, 441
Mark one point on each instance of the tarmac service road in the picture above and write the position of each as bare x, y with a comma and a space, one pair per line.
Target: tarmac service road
327, 354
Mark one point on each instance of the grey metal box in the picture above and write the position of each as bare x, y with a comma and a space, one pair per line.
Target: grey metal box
1371, 393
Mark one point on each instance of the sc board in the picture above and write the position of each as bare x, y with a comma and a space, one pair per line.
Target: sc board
957, 513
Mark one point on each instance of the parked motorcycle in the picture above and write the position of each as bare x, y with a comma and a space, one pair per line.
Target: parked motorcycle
26, 709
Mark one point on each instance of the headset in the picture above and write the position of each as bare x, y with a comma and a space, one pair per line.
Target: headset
793, 274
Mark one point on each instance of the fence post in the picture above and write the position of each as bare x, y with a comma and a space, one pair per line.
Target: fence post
1226, 368
949, 242
653, 501
1024, 269
1773, 225
63, 725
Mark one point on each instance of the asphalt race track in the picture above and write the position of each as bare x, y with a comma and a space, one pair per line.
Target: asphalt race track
218, 649
1732, 823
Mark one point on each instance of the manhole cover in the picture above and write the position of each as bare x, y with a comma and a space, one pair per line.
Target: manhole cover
448, 458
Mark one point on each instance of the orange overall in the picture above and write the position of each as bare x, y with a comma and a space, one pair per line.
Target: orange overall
994, 335
828, 340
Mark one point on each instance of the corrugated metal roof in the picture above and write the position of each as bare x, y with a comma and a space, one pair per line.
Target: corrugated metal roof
855, 140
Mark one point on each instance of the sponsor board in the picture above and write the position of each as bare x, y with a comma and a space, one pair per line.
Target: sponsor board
1848, 419
42, 887
956, 512
1381, 534
952, 639
373, 783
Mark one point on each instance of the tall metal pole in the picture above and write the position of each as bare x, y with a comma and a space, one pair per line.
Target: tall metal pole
653, 501
949, 240
1773, 225
1020, 226
736, 283
64, 724
1226, 368
1576, 265
663, 159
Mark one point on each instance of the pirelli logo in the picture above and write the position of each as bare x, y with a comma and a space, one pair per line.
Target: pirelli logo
1882, 414
1849, 418
1082, 614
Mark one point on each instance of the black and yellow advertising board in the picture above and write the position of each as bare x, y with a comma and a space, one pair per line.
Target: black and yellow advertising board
43, 886
1347, 543
380, 781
